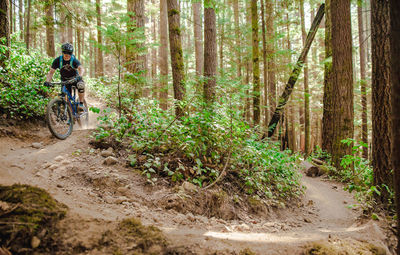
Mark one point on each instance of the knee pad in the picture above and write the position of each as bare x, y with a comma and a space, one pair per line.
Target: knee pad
81, 86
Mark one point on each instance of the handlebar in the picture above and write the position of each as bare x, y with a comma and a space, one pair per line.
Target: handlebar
73, 80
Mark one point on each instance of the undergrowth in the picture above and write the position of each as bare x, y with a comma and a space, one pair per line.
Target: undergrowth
22, 94
198, 147
357, 174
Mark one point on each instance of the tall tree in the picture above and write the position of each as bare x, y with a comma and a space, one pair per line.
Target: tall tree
175, 44
256, 63
222, 37
70, 30
28, 25
198, 38
21, 20
306, 89
99, 62
210, 51
269, 20
49, 22
342, 79
394, 36
328, 117
163, 55
264, 50
4, 26
363, 82
154, 54
237, 37
10, 9
381, 108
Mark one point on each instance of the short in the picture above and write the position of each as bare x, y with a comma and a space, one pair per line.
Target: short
80, 85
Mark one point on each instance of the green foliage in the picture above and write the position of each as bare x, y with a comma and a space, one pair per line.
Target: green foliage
357, 173
195, 148
22, 94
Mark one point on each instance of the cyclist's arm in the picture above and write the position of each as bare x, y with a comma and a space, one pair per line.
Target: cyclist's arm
81, 70
50, 75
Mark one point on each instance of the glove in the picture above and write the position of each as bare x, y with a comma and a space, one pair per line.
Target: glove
47, 84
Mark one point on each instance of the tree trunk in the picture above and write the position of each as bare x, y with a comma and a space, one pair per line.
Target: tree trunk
328, 117
10, 4
99, 62
381, 91
70, 31
198, 38
221, 39
92, 55
28, 25
78, 42
175, 44
306, 90
264, 50
63, 32
295, 73
210, 52
363, 82
237, 38
154, 56
136, 62
342, 79
4, 27
163, 55
269, 20
50, 50
249, 67
21, 20
256, 63
394, 36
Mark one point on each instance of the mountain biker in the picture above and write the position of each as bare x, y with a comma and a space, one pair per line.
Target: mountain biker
70, 68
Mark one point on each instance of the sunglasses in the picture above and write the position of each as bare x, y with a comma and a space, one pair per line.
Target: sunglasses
65, 52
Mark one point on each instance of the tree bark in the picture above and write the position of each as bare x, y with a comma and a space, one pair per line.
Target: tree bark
175, 44
295, 73
154, 56
363, 82
264, 44
10, 9
4, 27
49, 22
163, 55
328, 117
256, 63
210, 52
249, 67
381, 91
99, 62
342, 82
306, 90
70, 31
28, 25
221, 39
21, 20
198, 38
63, 33
237, 38
394, 36
269, 20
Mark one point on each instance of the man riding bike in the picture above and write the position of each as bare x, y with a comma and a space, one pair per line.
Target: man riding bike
70, 68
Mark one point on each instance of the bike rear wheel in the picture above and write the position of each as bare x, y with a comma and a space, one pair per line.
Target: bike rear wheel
59, 118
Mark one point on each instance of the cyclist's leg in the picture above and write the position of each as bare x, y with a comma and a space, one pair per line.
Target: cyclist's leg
81, 91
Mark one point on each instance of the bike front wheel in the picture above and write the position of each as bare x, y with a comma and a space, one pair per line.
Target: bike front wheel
59, 118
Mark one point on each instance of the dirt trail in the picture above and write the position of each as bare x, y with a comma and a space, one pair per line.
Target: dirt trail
98, 195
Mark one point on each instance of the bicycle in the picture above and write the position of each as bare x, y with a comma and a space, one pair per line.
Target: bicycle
64, 110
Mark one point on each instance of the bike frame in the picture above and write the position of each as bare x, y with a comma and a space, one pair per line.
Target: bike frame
70, 99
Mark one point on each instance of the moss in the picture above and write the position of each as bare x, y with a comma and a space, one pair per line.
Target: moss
347, 246
30, 212
173, 12
247, 251
145, 237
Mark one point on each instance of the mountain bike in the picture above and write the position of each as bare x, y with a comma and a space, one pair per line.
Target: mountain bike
64, 110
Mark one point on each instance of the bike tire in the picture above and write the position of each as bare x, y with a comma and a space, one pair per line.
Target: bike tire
58, 114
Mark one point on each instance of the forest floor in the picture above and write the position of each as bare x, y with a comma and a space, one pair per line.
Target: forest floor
99, 196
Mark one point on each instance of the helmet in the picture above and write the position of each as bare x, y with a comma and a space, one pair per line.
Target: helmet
67, 48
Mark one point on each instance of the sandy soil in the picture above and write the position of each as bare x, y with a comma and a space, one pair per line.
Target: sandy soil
99, 195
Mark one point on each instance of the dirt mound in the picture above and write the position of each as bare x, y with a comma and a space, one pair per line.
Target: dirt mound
28, 218
346, 246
